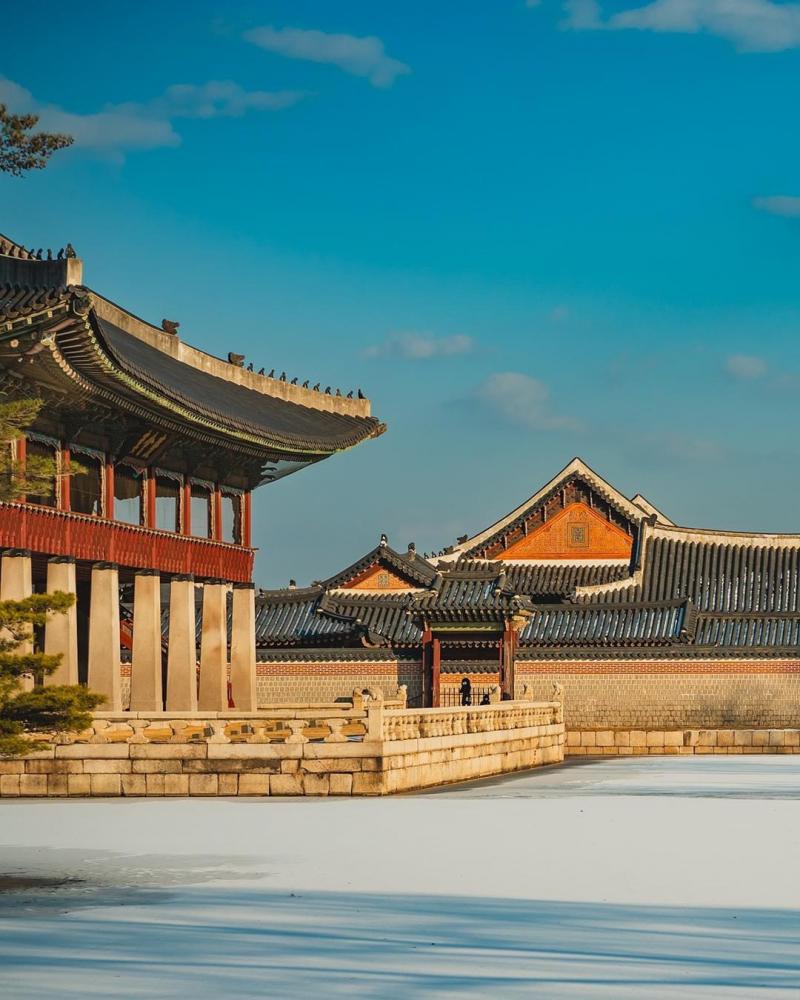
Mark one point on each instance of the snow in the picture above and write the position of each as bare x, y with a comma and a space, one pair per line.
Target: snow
664, 877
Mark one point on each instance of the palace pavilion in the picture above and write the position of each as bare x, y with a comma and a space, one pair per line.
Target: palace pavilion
157, 448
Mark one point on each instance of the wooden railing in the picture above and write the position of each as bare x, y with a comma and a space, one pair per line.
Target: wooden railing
96, 539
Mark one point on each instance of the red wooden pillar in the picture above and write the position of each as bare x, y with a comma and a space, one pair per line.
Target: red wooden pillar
247, 519
150, 506
217, 501
186, 520
427, 658
108, 500
508, 656
22, 454
436, 670
65, 480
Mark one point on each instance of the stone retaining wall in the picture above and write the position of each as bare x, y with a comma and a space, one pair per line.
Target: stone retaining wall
364, 749
632, 742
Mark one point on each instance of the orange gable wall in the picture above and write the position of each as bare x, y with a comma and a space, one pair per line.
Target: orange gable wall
374, 579
577, 532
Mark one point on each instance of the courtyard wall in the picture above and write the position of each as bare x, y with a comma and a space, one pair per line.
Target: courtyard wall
665, 695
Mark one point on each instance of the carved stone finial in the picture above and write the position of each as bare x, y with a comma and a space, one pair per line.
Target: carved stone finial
170, 326
236, 359
69, 250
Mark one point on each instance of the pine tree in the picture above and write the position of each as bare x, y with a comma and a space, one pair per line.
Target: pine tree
18, 479
44, 710
20, 148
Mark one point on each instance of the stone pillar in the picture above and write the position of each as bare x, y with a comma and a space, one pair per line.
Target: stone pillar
146, 687
213, 695
16, 584
61, 631
182, 654
104, 673
243, 648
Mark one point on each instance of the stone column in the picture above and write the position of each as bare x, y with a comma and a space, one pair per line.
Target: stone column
104, 672
146, 687
243, 648
61, 631
16, 584
213, 695
182, 654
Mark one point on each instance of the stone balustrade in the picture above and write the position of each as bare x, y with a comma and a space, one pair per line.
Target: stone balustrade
420, 724
367, 746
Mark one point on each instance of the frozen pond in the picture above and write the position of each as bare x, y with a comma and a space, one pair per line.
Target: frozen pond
664, 877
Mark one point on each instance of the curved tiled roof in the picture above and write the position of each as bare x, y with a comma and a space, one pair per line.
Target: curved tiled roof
236, 406
313, 616
414, 567
186, 388
607, 625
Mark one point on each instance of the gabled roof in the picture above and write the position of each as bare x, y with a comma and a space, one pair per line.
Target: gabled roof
409, 565
650, 509
577, 468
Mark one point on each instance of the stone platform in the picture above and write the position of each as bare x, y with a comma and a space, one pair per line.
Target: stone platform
356, 749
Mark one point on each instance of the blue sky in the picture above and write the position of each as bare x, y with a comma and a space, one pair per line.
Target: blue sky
527, 231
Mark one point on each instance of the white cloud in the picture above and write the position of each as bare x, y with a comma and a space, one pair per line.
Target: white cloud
779, 204
746, 366
421, 347
363, 56
522, 400
751, 25
118, 128
582, 15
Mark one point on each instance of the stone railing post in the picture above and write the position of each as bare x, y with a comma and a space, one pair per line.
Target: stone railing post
297, 726
375, 716
336, 727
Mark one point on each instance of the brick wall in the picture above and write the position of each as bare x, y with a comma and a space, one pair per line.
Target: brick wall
282, 683
664, 695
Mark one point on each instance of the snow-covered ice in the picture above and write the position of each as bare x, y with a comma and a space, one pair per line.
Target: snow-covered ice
664, 877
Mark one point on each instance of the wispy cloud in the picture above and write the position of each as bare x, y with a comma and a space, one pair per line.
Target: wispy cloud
119, 128
360, 56
421, 346
522, 400
751, 25
779, 204
746, 366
